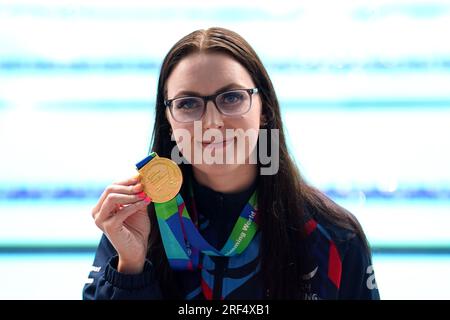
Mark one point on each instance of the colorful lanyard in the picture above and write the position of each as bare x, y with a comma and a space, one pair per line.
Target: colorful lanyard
183, 242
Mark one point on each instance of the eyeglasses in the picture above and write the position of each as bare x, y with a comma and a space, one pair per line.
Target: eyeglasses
229, 103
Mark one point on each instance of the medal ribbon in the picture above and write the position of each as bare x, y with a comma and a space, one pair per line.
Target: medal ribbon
183, 241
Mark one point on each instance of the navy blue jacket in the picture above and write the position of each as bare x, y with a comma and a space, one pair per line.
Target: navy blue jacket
338, 264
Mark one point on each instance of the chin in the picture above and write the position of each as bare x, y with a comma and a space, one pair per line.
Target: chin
216, 169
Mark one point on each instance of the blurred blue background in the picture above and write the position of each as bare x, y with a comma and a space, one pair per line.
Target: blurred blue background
364, 88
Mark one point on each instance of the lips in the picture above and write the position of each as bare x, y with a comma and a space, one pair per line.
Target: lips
213, 144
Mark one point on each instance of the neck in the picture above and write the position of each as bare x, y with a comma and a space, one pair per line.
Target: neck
230, 182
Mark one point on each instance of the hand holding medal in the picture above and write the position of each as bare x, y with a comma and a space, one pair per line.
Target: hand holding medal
121, 213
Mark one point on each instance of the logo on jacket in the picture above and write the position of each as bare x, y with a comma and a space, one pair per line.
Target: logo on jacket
310, 275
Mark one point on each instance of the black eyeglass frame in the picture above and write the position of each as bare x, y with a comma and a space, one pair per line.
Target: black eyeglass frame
213, 97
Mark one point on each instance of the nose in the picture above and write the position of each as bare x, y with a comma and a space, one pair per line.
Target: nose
212, 117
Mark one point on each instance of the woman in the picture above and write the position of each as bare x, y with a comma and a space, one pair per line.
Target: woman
304, 246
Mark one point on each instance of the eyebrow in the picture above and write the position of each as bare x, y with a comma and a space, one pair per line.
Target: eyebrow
193, 93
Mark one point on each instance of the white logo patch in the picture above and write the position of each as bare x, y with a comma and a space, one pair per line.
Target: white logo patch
310, 275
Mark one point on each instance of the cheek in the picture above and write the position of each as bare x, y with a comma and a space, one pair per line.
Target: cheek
247, 124
252, 119
249, 133
182, 133
179, 129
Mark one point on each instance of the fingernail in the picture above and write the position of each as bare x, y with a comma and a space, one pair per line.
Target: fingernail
148, 200
142, 195
137, 187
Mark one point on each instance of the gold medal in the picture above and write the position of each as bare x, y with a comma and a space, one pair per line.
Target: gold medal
161, 178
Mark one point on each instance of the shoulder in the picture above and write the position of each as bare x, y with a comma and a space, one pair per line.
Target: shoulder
318, 228
328, 233
331, 221
341, 255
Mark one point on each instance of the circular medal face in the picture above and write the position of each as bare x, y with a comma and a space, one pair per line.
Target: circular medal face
162, 179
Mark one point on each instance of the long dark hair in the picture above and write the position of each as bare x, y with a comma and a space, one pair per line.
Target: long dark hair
283, 198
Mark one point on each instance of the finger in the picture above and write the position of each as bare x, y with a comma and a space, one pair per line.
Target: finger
115, 188
112, 205
130, 181
115, 223
125, 186
131, 209
114, 199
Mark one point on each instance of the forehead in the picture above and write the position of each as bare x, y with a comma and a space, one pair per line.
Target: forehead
205, 73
